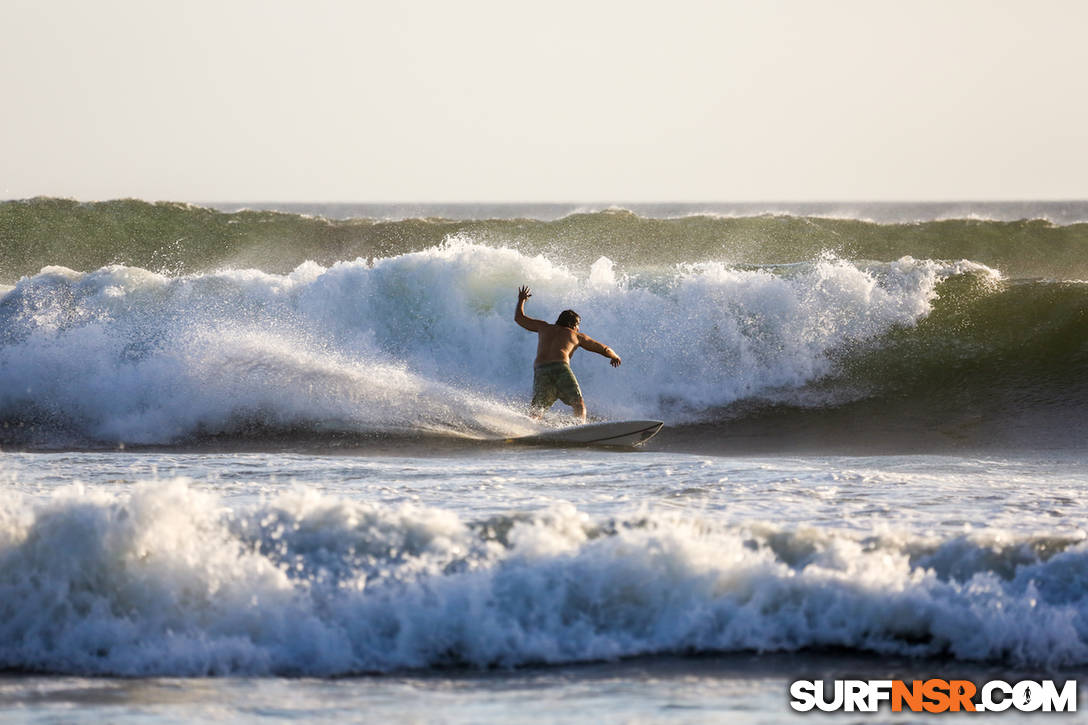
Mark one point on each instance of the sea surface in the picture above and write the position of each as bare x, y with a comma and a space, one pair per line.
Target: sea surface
256, 460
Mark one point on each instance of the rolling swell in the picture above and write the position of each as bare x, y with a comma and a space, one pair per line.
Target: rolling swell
181, 238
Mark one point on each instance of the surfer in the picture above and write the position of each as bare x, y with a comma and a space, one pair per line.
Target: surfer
552, 376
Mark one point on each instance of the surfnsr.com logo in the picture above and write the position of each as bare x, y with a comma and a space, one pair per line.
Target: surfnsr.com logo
933, 695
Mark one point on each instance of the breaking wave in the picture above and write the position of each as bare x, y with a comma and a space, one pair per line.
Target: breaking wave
425, 342
167, 581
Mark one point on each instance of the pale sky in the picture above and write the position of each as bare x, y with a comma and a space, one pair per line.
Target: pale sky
499, 100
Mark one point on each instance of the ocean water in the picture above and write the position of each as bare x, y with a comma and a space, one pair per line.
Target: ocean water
256, 463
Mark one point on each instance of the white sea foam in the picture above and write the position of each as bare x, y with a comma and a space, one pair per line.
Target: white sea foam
167, 580
425, 341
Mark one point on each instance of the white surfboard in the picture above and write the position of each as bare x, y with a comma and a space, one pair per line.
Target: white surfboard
610, 433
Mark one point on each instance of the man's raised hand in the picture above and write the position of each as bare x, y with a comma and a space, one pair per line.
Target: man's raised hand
524, 293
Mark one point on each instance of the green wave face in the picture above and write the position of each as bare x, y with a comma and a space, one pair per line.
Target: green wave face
1022, 345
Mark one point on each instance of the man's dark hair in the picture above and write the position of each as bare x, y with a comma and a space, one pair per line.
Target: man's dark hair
568, 318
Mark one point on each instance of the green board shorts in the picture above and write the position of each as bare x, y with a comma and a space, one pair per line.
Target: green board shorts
555, 380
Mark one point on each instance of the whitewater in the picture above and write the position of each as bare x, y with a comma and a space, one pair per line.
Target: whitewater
423, 341
256, 463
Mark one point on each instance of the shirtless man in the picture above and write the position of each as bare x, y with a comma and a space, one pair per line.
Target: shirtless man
552, 376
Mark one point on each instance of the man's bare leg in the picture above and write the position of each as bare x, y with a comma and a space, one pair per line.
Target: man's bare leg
579, 410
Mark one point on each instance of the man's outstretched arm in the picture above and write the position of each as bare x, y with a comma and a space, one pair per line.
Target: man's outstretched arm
587, 342
519, 312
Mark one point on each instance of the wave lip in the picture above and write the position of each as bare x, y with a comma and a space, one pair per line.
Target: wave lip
164, 582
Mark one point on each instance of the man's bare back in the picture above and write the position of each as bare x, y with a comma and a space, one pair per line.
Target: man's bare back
555, 344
